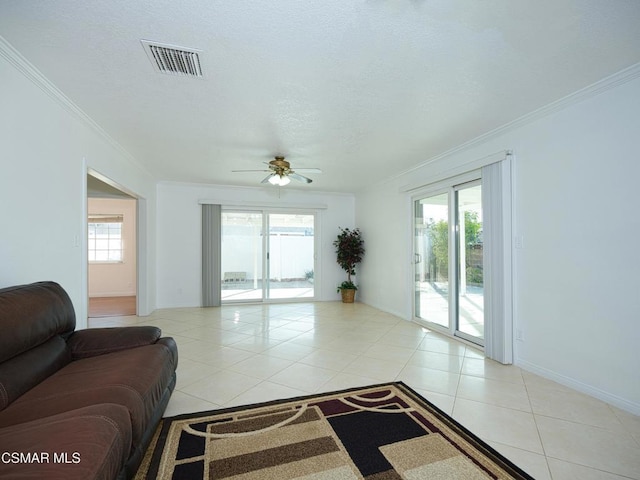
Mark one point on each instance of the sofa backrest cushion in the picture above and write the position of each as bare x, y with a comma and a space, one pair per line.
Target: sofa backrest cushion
32, 314
25, 371
35, 321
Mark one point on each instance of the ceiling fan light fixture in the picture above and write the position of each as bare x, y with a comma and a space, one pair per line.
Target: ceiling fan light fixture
274, 179
280, 180
284, 181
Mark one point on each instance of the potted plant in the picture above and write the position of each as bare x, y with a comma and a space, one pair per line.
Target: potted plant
349, 248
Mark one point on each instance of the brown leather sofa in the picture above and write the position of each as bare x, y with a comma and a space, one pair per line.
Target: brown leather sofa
76, 404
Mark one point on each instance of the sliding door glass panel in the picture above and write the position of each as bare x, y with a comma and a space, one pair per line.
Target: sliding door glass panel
432, 259
242, 257
291, 256
469, 247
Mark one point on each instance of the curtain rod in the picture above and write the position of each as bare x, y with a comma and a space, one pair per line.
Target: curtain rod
458, 170
260, 205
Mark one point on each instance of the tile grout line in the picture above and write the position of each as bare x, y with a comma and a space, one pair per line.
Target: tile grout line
535, 421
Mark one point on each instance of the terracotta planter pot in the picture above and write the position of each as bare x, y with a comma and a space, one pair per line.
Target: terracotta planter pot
348, 295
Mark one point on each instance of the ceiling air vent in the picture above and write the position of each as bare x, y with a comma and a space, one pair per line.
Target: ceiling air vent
174, 60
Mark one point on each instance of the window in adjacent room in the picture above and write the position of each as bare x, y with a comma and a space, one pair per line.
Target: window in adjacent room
105, 238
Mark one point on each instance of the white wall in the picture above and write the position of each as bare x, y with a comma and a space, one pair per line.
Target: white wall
120, 278
179, 234
577, 295
46, 146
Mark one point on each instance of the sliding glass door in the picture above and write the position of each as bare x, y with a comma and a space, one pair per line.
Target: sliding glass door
469, 250
290, 255
242, 256
432, 259
448, 258
273, 266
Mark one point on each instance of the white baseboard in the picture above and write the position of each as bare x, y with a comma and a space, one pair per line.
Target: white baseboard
383, 309
112, 294
607, 397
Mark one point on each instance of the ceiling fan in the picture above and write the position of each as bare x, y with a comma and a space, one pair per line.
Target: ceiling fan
280, 172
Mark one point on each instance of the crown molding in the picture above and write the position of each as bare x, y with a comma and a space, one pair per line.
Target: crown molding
8, 52
608, 83
601, 86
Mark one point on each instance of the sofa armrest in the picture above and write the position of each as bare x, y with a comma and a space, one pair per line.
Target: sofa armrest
86, 443
98, 341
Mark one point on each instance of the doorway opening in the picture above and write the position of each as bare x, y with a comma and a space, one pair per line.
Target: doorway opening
112, 249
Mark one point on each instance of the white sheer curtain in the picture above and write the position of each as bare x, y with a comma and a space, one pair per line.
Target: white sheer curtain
211, 255
496, 206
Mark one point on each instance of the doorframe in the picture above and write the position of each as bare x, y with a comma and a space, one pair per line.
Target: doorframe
143, 305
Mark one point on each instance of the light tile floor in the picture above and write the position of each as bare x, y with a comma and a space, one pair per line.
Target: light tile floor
242, 354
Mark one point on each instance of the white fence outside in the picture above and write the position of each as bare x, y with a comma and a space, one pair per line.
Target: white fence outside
291, 256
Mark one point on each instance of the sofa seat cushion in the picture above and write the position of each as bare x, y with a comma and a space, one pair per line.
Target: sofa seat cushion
135, 378
90, 442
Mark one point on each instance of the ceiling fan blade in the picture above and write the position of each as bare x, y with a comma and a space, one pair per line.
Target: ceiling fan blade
300, 178
266, 179
309, 170
243, 171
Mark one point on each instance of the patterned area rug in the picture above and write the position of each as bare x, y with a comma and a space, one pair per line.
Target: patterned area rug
382, 432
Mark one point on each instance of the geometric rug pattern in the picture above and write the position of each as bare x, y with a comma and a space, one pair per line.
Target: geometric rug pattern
381, 432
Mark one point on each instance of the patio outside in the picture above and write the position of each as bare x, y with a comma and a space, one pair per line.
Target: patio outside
276, 289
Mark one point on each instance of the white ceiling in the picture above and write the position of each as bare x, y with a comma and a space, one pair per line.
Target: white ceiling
362, 89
